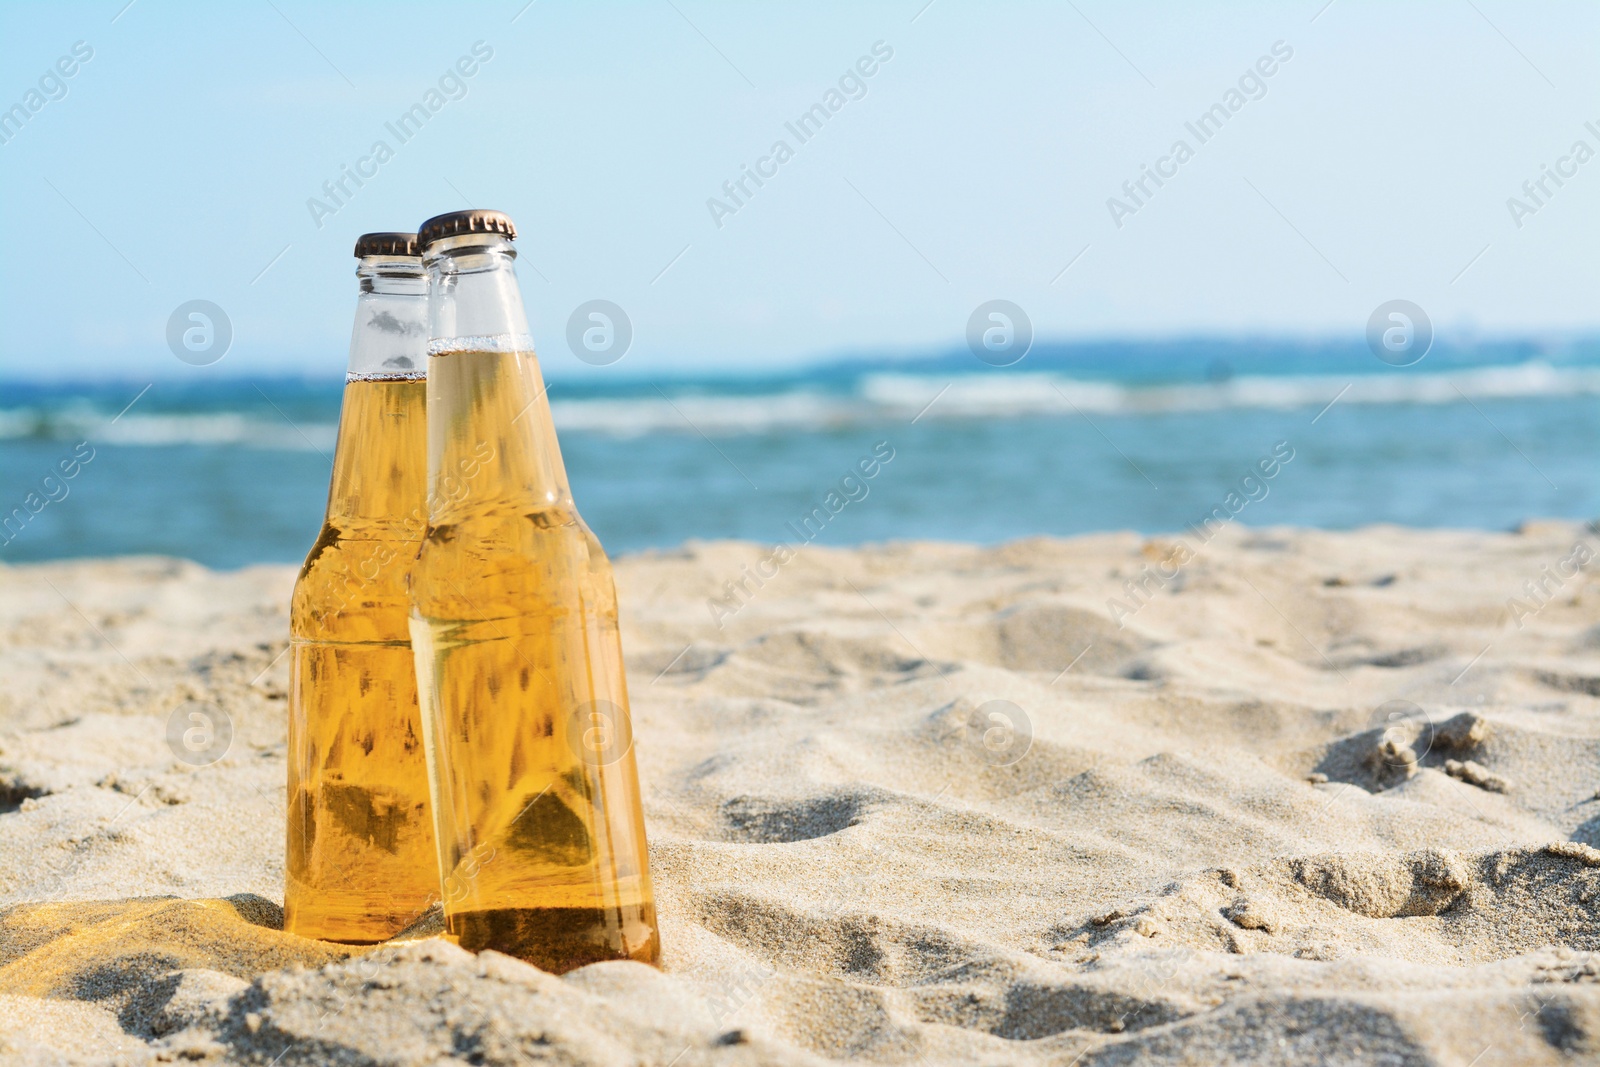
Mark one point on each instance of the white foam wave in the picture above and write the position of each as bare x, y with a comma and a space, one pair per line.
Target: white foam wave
221, 428
241, 431
1043, 393
878, 397
721, 415
931, 397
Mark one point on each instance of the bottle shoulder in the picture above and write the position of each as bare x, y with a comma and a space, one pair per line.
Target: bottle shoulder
544, 562
353, 587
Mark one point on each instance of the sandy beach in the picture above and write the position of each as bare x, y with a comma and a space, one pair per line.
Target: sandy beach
1299, 797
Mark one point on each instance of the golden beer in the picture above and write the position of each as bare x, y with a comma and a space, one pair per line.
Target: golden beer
361, 861
514, 623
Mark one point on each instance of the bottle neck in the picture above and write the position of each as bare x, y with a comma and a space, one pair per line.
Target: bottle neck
474, 301
390, 335
378, 489
376, 485
492, 449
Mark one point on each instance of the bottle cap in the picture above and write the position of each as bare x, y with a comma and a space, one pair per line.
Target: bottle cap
387, 244
459, 222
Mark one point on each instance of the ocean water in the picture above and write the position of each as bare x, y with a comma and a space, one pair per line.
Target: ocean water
1150, 437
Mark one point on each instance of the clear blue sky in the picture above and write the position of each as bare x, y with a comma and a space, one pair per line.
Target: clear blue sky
977, 165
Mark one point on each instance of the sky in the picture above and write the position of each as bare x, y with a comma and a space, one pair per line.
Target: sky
983, 158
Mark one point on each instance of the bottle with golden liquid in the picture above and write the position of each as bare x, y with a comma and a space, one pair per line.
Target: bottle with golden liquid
519, 662
361, 862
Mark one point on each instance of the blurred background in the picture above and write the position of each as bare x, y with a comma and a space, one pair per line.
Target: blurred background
1081, 266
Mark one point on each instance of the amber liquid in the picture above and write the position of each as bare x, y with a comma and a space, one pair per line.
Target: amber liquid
541, 832
361, 863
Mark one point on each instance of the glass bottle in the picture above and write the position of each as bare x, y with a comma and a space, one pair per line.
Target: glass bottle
519, 661
361, 860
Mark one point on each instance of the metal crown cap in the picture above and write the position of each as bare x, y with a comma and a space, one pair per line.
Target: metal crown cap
387, 244
459, 222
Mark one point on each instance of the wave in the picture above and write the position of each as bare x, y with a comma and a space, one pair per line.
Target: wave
929, 397
226, 428
1041, 393
873, 398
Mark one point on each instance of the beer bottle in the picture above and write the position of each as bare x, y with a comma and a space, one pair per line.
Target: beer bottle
519, 662
361, 862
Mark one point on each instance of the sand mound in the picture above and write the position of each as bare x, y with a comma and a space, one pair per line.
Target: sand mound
147, 961
1316, 800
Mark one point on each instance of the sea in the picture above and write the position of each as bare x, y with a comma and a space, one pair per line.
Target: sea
1150, 436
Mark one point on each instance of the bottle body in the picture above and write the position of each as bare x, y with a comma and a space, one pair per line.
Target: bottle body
514, 625
361, 858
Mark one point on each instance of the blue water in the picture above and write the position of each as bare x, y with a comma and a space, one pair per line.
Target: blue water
1149, 437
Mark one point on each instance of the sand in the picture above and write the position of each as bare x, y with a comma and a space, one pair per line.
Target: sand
1307, 798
